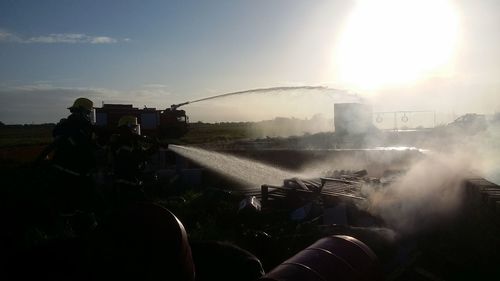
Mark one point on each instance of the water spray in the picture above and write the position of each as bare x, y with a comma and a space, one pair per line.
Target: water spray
250, 173
265, 90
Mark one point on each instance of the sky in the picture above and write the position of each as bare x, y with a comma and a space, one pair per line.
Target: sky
436, 55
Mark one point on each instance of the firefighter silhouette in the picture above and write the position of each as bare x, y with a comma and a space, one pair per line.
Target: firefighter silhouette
129, 153
71, 191
74, 146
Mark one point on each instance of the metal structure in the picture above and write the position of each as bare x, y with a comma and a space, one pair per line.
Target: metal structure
168, 123
402, 117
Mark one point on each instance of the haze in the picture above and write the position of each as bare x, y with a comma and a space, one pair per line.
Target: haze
399, 55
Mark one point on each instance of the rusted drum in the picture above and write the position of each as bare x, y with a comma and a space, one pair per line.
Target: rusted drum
336, 257
143, 242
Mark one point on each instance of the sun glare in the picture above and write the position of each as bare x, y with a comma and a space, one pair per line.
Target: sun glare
394, 42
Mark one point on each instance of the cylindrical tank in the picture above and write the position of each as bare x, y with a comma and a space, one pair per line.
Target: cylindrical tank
142, 241
336, 257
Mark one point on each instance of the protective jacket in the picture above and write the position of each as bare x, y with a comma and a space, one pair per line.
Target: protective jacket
74, 149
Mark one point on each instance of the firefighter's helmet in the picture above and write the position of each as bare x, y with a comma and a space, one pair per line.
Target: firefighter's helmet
130, 122
82, 104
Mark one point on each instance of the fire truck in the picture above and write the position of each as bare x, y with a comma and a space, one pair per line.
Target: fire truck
168, 123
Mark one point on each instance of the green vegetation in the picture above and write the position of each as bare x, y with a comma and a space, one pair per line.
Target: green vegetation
199, 132
16, 135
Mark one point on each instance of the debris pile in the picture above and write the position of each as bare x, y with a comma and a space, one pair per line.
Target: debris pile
340, 184
339, 198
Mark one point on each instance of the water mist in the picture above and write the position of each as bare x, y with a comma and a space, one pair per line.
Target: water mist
250, 173
430, 191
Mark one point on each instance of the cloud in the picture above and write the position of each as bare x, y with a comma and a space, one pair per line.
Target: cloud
8, 37
71, 38
42, 103
43, 97
60, 38
103, 40
47, 103
154, 86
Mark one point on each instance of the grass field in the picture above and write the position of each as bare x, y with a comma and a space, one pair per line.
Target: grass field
19, 135
20, 144
199, 132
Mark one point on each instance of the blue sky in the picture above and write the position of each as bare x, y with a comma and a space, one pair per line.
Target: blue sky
157, 53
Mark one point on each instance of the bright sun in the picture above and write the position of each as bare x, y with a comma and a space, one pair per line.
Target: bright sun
393, 42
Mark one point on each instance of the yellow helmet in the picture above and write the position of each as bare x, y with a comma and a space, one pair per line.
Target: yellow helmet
131, 123
127, 120
82, 103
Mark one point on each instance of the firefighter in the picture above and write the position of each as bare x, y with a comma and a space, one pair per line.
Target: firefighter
74, 145
129, 153
71, 191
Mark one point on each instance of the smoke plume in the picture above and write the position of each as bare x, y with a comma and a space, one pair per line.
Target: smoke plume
430, 191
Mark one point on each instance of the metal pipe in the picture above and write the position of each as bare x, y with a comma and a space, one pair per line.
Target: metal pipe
338, 257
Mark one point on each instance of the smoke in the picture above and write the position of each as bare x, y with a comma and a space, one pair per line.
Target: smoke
285, 127
432, 189
428, 188
486, 149
376, 161
429, 192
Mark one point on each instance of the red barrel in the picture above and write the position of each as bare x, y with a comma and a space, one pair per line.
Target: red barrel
336, 257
